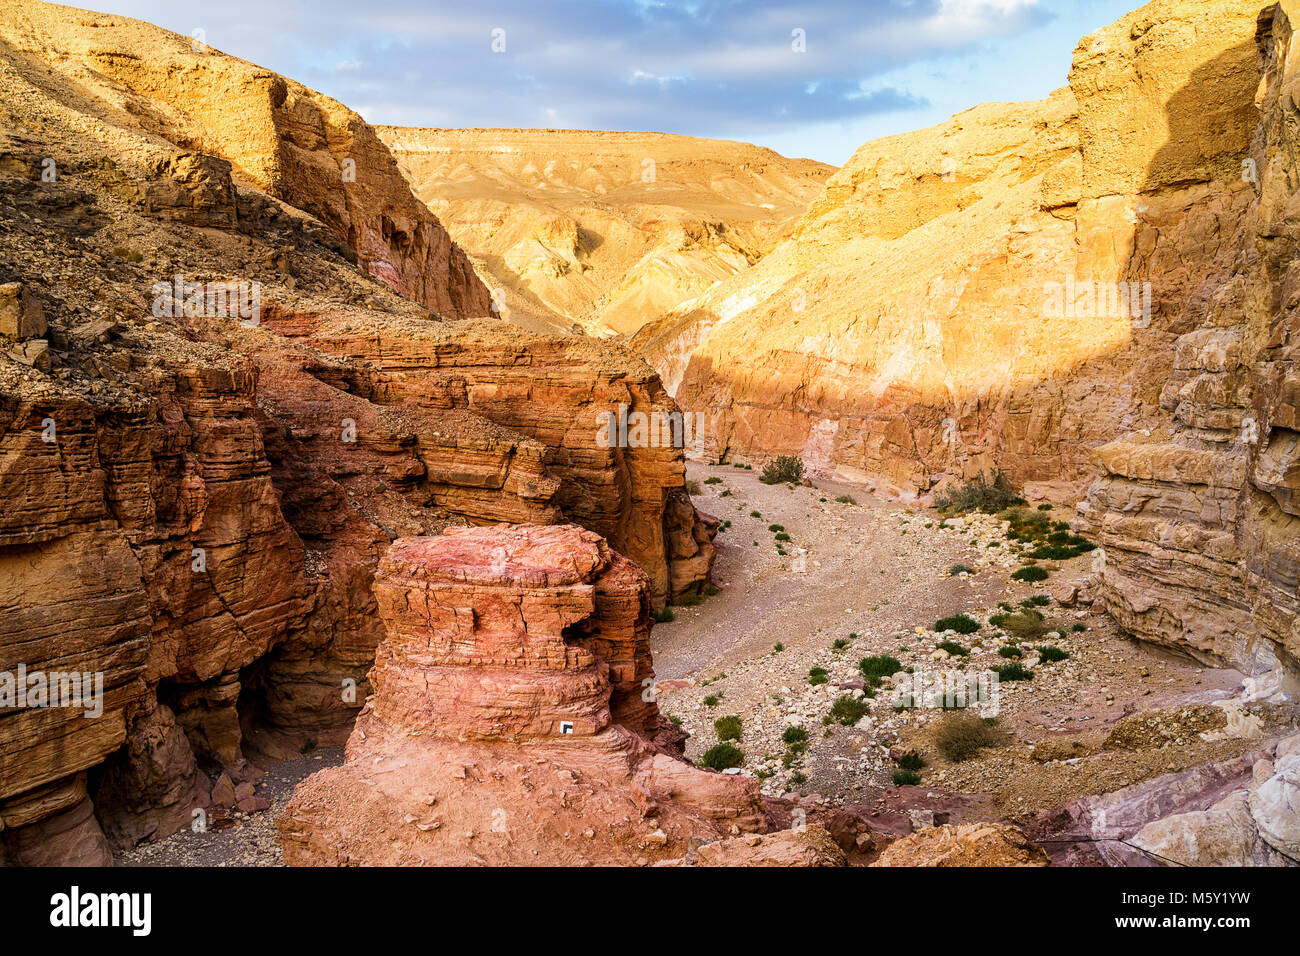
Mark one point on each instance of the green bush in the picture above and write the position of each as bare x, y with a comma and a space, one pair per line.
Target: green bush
1013, 670
728, 728
1030, 573
794, 735
906, 778
846, 500
775, 527
839, 643
961, 623
782, 469
848, 710
664, 616
1050, 654
693, 487
712, 700
957, 569
1009, 650
817, 675
781, 536
722, 757
953, 648
911, 761
879, 666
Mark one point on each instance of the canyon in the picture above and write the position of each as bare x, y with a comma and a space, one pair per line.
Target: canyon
301, 448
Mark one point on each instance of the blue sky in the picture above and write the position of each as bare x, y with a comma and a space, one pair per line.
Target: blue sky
721, 68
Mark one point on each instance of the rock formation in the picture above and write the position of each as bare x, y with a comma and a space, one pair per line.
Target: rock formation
222, 395
1092, 293
603, 230
513, 720
974, 844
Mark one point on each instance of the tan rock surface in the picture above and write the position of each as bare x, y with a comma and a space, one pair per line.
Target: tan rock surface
972, 844
604, 230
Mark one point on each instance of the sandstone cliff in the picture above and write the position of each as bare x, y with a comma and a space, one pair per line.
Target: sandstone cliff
603, 230
222, 395
1092, 293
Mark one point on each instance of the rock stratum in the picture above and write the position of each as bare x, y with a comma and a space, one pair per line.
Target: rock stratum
238, 358
513, 721
1094, 293
603, 230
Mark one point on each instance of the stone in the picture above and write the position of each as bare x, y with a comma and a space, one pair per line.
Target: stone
972, 844
504, 643
21, 315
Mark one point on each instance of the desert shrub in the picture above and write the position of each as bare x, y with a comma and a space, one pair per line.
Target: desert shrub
712, 700
953, 648
776, 527
781, 536
1045, 507
1051, 654
957, 569
1030, 573
1026, 624
1013, 670
713, 480
675, 720
130, 255
817, 675
839, 643
911, 761
782, 469
961, 736
906, 778
756, 514
664, 616
989, 494
692, 487
1036, 600
778, 647
728, 728
1079, 628
1009, 651
722, 757
846, 500
879, 666
799, 779
961, 623
848, 710
794, 735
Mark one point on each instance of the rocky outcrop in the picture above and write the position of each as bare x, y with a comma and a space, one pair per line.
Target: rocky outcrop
602, 230
511, 722
972, 844
229, 415
1243, 811
1103, 314
288, 141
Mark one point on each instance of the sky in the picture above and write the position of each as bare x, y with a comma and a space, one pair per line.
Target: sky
813, 79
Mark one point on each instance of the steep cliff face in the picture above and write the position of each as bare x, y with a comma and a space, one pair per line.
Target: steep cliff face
511, 723
286, 140
216, 412
602, 229
1090, 293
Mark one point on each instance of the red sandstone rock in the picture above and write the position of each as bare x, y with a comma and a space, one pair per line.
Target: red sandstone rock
509, 723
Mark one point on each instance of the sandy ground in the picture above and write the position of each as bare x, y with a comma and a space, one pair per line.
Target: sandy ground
875, 574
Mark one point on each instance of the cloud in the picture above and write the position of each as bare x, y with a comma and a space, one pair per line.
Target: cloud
702, 67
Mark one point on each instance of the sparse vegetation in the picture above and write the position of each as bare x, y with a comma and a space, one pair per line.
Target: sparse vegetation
728, 728
911, 761
848, 710
692, 487
817, 675
1011, 671
846, 500
906, 778
989, 494
957, 569
1050, 654
961, 736
953, 648
662, 617
713, 480
712, 700
781, 470
794, 735
1030, 572
961, 623
1009, 651
879, 666
722, 757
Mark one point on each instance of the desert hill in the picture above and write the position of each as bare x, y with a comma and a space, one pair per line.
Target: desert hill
599, 229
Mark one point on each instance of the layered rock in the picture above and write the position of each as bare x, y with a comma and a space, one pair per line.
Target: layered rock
511, 722
1105, 294
197, 493
602, 230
